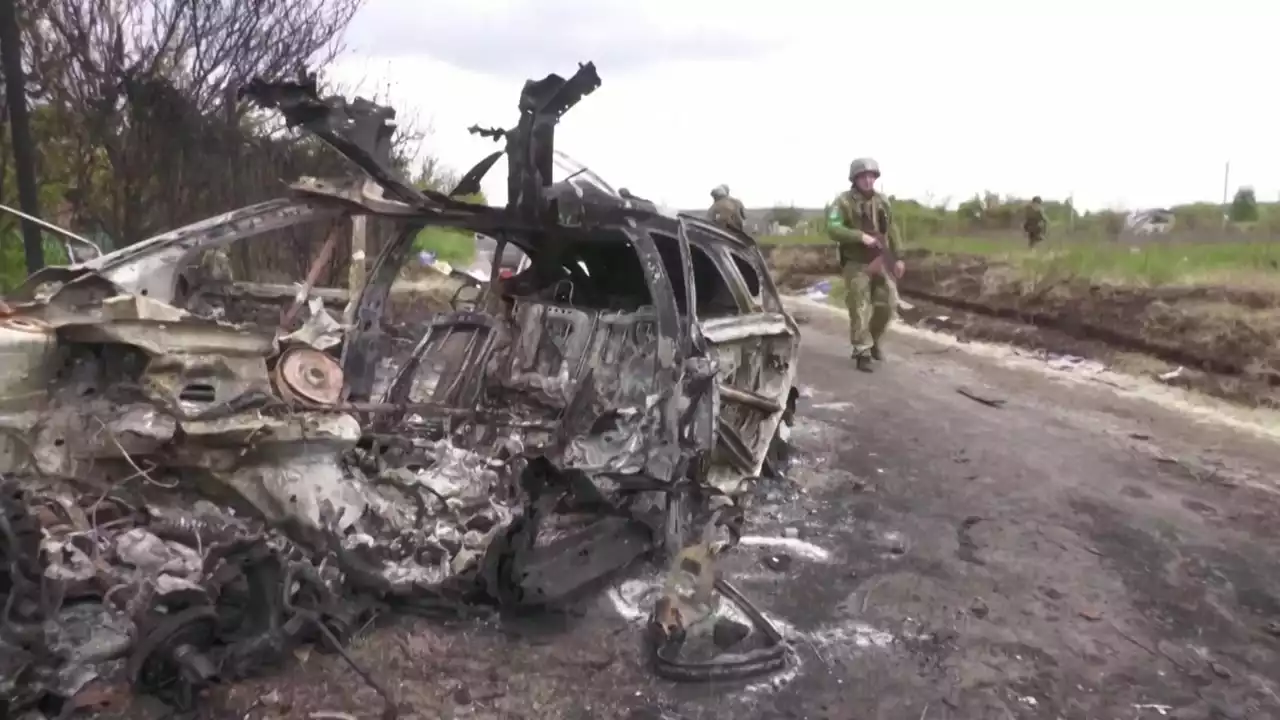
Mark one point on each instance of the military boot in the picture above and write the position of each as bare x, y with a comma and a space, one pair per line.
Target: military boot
876, 354
863, 361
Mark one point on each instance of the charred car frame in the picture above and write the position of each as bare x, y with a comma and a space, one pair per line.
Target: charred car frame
616, 397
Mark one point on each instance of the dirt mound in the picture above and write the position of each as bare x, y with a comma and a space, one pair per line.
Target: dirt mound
1226, 340
1214, 330
795, 266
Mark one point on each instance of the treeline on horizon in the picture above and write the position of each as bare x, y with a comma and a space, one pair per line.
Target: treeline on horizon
991, 212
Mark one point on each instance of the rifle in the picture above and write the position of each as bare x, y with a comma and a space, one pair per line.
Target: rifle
884, 260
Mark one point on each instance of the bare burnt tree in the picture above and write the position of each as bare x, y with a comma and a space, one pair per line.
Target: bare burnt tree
10, 254
434, 175
145, 96
24, 157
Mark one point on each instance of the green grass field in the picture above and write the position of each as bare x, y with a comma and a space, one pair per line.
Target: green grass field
451, 246
13, 268
1242, 262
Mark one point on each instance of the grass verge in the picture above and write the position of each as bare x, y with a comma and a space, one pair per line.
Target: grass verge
454, 247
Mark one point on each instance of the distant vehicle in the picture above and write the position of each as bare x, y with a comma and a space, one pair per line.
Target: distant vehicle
1149, 222
512, 262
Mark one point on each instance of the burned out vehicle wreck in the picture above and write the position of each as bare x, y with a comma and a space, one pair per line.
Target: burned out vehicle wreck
185, 499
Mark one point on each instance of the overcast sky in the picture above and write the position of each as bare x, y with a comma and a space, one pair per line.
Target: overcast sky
1124, 103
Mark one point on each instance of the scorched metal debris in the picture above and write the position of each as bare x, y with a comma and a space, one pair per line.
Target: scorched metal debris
187, 499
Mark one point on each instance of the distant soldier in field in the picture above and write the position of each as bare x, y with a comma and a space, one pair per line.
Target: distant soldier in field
726, 211
631, 200
1035, 223
861, 223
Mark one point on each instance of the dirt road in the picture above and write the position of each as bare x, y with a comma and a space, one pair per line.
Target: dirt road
1072, 553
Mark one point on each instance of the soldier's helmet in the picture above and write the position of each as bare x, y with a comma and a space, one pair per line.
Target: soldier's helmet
863, 165
720, 191
1036, 200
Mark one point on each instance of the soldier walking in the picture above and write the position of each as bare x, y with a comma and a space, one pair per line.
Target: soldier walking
861, 223
1035, 223
726, 211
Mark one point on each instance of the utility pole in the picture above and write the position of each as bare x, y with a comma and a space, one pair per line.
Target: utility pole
24, 160
1226, 179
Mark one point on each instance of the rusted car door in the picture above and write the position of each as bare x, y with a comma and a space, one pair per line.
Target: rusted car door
754, 342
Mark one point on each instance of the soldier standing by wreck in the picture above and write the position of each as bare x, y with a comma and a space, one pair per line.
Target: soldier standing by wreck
861, 223
1035, 223
726, 211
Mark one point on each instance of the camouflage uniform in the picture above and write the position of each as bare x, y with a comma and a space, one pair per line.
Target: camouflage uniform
1035, 224
871, 295
726, 211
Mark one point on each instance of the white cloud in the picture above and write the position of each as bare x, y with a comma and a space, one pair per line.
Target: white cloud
503, 37
1124, 103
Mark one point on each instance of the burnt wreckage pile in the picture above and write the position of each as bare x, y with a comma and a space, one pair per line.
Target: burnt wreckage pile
185, 500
